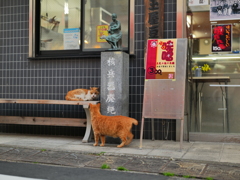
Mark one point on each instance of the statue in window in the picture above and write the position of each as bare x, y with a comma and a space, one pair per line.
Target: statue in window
115, 35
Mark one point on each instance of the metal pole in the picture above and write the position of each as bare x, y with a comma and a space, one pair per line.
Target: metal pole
141, 133
152, 122
181, 134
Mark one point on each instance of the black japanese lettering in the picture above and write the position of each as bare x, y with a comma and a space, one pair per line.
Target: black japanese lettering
153, 5
153, 32
153, 17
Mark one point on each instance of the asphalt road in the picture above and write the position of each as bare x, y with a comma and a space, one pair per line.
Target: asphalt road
22, 171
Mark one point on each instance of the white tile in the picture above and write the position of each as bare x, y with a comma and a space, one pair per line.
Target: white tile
128, 150
146, 143
204, 156
106, 149
175, 146
167, 153
230, 158
80, 148
5, 139
206, 147
231, 149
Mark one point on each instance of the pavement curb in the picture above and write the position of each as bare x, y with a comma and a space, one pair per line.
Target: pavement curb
133, 162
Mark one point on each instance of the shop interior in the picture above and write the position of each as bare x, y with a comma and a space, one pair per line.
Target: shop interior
214, 92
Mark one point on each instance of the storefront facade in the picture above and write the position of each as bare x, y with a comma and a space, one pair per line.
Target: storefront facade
213, 32
36, 66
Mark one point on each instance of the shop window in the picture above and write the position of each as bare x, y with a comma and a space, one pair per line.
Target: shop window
60, 25
214, 38
72, 28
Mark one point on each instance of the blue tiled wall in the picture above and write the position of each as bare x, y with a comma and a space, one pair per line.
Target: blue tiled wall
51, 79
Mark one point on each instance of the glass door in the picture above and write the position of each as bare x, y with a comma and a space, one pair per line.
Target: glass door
214, 39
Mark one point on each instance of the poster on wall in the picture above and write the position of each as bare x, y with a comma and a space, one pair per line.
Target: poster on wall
221, 38
102, 30
197, 2
161, 59
71, 38
224, 10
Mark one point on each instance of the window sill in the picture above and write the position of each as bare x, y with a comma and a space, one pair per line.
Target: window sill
67, 56
62, 57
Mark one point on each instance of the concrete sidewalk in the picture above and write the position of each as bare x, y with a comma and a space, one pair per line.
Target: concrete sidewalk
196, 159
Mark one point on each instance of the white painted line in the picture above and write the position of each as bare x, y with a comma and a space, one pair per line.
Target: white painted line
221, 109
7, 177
213, 85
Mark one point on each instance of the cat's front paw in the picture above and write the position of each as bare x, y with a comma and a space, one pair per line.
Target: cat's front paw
95, 144
102, 145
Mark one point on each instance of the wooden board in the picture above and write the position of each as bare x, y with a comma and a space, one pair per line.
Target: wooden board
154, 17
211, 79
154, 21
48, 121
44, 101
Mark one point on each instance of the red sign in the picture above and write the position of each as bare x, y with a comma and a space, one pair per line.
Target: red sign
222, 38
161, 59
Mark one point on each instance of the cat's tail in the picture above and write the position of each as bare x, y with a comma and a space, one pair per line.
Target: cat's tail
134, 121
73, 99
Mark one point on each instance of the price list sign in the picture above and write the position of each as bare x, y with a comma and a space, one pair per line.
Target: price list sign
161, 59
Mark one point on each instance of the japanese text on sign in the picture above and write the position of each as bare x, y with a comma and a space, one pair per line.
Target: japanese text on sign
161, 59
221, 38
153, 18
110, 87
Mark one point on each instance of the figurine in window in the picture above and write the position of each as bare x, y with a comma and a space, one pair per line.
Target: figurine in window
235, 8
219, 9
225, 8
115, 35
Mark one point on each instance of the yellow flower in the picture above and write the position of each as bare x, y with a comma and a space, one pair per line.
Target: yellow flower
204, 68
194, 67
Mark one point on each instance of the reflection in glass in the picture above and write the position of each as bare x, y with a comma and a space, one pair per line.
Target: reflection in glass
213, 99
60, 24
98, 16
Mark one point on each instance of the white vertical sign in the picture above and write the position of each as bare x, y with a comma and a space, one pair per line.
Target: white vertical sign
71, 38
197, 2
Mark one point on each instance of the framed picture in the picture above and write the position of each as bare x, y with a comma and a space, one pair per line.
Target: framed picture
221, 38
224, 10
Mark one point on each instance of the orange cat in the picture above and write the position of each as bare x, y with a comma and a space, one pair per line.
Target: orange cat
82, 94
115, 126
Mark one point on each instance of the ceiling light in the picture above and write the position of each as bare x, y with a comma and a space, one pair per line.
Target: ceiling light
189, 19
66, 10
215, 58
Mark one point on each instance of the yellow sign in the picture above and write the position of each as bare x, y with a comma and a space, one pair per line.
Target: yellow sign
102, 30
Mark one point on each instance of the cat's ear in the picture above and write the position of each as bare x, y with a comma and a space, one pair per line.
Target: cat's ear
97, 89
98, 105
90, 105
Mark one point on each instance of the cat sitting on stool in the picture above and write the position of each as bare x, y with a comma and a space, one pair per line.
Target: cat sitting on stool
82, 94
115, 126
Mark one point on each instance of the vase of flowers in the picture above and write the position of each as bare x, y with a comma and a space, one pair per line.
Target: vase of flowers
199, 69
